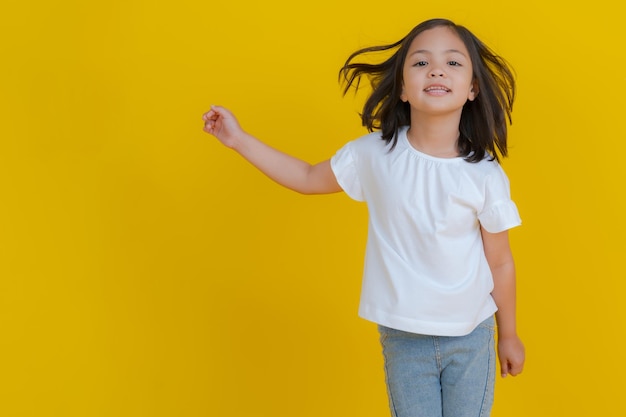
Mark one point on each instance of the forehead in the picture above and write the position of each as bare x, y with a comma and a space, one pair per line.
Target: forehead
438, 39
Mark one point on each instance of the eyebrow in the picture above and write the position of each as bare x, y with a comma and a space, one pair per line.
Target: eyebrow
426, 51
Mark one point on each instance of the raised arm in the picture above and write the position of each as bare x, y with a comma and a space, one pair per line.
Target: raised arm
284, 169
510, 348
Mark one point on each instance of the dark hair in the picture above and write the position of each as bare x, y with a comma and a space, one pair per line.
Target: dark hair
483, 125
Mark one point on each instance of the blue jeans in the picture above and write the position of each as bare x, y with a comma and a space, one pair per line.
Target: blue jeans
437, 376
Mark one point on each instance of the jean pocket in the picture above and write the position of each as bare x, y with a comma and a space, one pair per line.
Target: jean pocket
489, 324
383, 334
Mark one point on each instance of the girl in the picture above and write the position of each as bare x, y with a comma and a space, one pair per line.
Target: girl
438, 265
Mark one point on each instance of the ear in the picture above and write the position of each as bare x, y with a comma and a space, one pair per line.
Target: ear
473, 92
403, 96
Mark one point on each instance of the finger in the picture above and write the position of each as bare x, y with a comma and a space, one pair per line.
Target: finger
220, 111
208, 115
213, 110
209, 126
504, 368
516, 369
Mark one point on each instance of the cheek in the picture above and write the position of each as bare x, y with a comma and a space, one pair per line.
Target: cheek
410, 85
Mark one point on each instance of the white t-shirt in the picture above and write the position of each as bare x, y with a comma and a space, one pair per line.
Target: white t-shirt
425, 269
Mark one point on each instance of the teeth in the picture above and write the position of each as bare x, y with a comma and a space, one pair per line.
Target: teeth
436, 88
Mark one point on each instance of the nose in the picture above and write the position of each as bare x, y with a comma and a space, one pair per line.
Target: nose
435, 73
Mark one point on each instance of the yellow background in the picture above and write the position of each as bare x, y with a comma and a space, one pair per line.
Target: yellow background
148, 271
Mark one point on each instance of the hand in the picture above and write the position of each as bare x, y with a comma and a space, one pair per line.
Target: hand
511, 354
221, 123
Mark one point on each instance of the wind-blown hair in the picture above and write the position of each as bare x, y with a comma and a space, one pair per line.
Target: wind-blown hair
483, 125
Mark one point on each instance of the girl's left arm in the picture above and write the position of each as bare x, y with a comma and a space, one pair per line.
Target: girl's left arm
510, 347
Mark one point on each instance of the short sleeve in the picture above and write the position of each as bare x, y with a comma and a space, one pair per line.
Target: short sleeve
499, 212
344, 167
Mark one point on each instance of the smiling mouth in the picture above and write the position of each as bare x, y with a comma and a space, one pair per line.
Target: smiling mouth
437, 88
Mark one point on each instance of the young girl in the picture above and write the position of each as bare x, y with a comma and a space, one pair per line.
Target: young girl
438, 265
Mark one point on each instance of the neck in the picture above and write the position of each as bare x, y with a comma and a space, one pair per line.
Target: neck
435, 136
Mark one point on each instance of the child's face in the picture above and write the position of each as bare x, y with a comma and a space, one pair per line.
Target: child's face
437, 74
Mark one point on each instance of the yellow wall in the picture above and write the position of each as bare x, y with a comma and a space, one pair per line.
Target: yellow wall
147, 271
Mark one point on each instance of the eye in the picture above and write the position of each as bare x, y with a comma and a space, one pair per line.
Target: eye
420, 64
454, 63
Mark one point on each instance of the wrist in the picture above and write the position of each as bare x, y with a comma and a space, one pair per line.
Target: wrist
506, 333
238, 142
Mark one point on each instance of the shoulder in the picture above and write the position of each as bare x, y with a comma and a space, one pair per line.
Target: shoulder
370, 144
492, 179
371, 140
485, 167
487, 175
374, 142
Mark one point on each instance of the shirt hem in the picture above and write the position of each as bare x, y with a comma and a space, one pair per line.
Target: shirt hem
424, 327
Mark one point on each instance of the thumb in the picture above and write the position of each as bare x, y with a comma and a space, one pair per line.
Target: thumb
213, 112
219, 110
